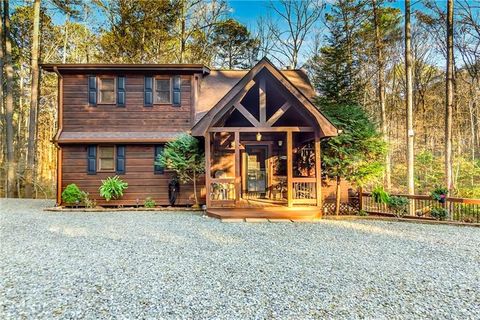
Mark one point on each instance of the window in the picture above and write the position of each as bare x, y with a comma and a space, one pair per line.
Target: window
163, 91
106, 158
106, 92
157, 168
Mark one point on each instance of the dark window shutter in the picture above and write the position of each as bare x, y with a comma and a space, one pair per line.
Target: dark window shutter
148, 92
158, 169
120, 159
177, 85
121, 91
91, 159
92, 90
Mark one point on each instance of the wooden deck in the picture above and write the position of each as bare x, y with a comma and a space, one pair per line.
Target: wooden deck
271, 213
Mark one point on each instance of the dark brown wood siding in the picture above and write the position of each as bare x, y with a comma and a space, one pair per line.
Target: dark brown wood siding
79, 116
139, 175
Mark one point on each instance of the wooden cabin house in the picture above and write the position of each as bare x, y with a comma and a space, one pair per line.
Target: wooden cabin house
260, 129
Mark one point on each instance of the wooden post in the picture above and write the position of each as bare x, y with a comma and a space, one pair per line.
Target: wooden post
59, 175
237, 167
289, 169
263, 101
360, 198
318, 171
207, 168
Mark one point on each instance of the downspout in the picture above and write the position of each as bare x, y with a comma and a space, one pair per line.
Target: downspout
57, 135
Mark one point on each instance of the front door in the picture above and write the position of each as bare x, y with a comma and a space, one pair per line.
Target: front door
256, 184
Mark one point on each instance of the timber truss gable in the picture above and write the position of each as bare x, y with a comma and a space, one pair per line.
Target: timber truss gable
265, 100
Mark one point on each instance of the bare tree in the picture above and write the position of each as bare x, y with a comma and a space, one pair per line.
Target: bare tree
265, 39
299, 17
32, 124
449, 98
409, 100
381, 89
9, 107
198, 18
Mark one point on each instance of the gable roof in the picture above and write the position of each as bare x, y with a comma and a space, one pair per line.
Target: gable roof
223, 86
84, 67
217, 84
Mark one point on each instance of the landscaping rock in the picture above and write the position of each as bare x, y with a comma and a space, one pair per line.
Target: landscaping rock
181, 265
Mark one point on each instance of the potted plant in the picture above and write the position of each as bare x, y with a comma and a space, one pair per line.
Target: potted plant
379, 195
440, 194
112, 188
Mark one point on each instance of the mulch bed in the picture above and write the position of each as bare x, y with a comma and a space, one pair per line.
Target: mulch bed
112, 209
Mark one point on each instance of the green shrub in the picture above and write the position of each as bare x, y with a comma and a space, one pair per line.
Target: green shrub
149, 203
379, 195
399, 205
112, 188
72, 194
439, 213
362, 213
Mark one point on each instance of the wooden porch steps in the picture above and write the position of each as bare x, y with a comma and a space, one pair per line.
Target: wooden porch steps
271, 213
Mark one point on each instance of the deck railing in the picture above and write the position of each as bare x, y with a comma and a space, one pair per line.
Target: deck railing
304, 190
459, 209
222, 189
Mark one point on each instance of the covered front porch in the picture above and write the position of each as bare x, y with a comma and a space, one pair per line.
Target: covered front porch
262, 167
262, 146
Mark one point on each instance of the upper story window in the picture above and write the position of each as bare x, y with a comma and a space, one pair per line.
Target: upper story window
163, 91
106, 158
106, 90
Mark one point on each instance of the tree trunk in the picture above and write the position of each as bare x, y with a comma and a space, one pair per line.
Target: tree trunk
196, 205
9, 108
449, 98
2, 106
182, 35
65, 38
32, 124
409, 100
381, 91
337, 196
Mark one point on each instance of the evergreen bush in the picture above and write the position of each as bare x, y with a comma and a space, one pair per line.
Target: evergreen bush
72, 194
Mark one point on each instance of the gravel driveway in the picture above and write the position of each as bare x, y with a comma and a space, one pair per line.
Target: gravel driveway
181, 265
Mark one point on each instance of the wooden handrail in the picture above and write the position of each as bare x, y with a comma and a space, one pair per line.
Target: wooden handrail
427, 197
222, 180
303, 179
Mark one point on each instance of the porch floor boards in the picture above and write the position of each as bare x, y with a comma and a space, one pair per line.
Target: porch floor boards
294, 213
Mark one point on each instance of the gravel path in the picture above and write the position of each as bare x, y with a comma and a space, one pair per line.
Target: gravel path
181, 265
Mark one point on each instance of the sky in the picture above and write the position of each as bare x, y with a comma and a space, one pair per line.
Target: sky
249, 11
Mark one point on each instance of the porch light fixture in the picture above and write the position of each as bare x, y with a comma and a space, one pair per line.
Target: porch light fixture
259, 136
280, 143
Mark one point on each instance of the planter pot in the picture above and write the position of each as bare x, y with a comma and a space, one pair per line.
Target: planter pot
442, 200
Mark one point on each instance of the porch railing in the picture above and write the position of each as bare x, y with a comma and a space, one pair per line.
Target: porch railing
222, 189
459, 209
304, 190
